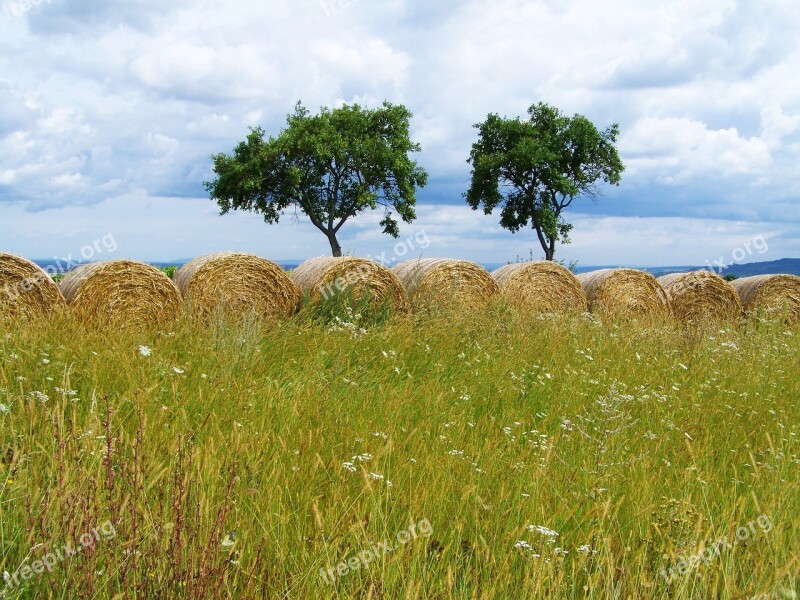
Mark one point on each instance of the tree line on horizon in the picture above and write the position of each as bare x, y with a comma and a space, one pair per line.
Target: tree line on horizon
333, 165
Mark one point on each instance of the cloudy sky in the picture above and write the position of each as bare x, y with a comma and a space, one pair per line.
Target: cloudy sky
110, 109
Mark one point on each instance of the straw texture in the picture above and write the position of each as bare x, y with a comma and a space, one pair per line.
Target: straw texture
771, 295
121, 294
701, 296
26, 290
541, 287
233, 285
625, 293
327, 276
434, 283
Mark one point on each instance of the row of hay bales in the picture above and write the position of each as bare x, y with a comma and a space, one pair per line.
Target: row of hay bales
130, 294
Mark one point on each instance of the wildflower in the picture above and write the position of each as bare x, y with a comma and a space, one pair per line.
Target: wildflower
40, 396
523, 545
178, 370
348, 466
45, 361
378, 477
229, 540
4, 409
549, 533
585, 549
145, 351
361, 457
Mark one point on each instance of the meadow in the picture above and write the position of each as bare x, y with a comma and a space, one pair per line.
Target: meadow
455, 456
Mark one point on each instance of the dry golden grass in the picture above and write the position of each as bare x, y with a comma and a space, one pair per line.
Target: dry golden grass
327, 277
236, 285
121, 294
775, 296
440, 283
26, 290
625, 293
702, 297
541, 287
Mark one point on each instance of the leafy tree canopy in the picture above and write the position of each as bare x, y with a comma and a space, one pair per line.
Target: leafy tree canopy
533, 169
331, 166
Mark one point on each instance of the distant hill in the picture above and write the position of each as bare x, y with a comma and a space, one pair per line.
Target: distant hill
787, 266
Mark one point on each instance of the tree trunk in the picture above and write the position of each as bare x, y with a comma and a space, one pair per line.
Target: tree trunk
336, 249
550, 251
546, 243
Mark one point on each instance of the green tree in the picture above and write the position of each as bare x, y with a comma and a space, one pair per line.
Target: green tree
535, 168
331, 166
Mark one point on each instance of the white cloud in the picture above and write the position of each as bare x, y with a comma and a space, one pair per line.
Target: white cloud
675, 150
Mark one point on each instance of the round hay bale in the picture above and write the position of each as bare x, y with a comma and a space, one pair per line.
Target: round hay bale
326, 277
625, 293
772, 295
701, 296
541, 287
26, 290
235, 285
121, 294
434, 283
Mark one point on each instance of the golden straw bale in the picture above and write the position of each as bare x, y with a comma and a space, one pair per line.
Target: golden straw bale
236, 285
625, 293
26, 290
541, 287
701, 296
435, 283
326, 276
121, 294
774, 296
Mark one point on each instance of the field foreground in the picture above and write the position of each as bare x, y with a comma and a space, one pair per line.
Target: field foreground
489, 457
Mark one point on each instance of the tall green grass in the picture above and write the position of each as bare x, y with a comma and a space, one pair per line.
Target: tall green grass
240, 460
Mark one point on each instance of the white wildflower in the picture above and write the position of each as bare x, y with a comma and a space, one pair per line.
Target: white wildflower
549, 533
523, 545
348, 466
40, 396
178, 370
145, 351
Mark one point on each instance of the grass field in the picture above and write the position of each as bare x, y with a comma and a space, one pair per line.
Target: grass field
497, 457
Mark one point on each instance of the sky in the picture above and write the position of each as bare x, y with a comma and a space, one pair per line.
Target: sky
111, 109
